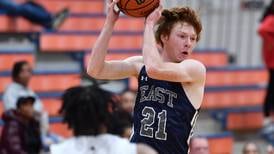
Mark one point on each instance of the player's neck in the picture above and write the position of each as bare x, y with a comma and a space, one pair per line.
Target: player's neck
103, 129
165, 57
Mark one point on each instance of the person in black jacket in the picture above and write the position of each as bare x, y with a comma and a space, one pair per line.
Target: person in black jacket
21, 132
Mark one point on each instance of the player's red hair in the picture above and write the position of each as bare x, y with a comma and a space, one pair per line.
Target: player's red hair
174, 15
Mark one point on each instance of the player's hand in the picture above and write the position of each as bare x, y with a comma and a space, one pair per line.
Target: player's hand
112, 14
154, 16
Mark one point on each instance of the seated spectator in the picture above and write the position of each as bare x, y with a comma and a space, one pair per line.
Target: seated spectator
34, 13
21, 132
251, 148
21, 76
198, 145
88, 111
128, 101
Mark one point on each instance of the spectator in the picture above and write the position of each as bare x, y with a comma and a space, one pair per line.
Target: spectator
270, 149
21, 133
266, 31
21, 76
250, 148
88, 112
199, 145
34, 12
128, 101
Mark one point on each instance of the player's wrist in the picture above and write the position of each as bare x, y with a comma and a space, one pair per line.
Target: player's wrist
109, 23
149, 24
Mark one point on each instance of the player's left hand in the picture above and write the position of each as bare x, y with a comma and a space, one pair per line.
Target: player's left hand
154, 16
112, 14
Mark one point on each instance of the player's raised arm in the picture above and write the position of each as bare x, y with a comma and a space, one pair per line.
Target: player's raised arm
172, 63
97, 66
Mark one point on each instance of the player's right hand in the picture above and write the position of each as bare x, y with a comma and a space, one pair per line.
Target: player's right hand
154, 16
112, 13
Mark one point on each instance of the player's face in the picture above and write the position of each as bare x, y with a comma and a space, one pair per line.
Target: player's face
181, 41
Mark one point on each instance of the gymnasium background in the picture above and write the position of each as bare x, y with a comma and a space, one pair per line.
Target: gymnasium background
230, 48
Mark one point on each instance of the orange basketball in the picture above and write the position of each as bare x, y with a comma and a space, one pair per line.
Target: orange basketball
138, 8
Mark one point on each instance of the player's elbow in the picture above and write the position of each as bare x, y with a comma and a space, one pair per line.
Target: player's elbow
152, 71
94, 73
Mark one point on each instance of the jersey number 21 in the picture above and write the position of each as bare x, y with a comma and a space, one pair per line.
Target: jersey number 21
149, 119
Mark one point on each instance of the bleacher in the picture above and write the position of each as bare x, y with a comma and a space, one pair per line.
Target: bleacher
233, 94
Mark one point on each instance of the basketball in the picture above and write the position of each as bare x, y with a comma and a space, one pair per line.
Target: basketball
138, 8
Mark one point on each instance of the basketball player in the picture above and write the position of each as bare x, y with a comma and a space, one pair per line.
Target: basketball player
88, 111
171, 86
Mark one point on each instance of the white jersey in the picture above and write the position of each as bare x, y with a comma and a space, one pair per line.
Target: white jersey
101, 144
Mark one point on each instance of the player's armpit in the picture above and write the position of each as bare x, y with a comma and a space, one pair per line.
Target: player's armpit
118, 69
186, 72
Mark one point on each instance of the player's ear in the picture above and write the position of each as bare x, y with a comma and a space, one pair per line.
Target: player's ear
164, 38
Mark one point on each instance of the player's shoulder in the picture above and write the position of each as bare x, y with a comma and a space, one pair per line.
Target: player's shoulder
104, 142
137, 62
110, 137
114, 139
119, 145
60, 148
